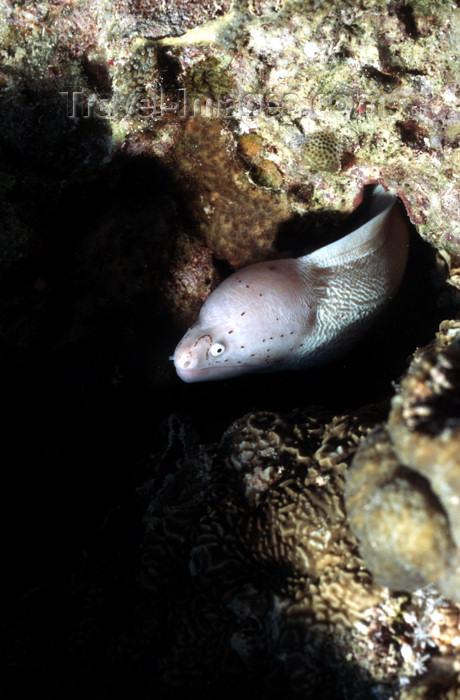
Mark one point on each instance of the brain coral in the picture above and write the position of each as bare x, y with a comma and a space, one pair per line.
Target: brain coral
253, 569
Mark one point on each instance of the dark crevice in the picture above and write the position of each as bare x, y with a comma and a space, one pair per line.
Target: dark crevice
412, 133
405, 14
170, 68
388, 82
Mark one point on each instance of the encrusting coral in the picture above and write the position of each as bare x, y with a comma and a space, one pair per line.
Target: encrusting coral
234, 216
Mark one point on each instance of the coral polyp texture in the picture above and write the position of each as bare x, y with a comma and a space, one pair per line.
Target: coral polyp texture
255, 574
322, 151
254, 535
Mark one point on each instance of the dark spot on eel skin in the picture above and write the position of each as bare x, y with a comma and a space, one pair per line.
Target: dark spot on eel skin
253, 355
282, 335
291, 333
230, 332
263, 340
261, 295
242, 313
241, 346
272, 267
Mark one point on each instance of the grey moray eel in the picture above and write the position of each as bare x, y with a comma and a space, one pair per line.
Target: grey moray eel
299, 312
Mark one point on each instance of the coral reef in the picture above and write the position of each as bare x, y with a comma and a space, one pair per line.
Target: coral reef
385, 89
191, 275
236, 219
207, 79
403, 488
323, 152
156, 18
251, 541
339, 96
263, 170
147, 147
254, 540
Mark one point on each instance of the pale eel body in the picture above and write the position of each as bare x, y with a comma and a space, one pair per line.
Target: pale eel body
298, 312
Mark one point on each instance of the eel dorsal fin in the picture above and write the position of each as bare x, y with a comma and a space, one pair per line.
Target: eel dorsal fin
365, 240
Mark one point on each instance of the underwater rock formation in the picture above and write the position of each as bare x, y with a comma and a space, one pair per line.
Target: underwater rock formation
336, 96
158, 19
403, 489
252, 536
253, 569
370, 85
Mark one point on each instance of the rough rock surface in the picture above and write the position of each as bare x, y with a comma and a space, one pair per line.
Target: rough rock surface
335, 95
375, 79
403, 489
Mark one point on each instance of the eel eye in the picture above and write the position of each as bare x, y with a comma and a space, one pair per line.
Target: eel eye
217, 349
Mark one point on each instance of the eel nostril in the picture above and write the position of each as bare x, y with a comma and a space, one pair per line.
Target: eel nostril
185, 360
